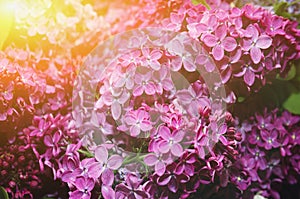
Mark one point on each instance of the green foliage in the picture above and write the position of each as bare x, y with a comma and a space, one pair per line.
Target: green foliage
292, 103
3, 193
282, 8
203, 2
291, 74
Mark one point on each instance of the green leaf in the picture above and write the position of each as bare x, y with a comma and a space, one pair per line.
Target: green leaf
292, 103
280, 6
291, 74
203, 2
3, 193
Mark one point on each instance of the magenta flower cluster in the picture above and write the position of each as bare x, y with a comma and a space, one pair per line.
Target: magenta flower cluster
248, 45
269, 155
146, 116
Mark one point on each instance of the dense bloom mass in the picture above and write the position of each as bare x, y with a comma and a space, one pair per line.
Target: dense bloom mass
152, 111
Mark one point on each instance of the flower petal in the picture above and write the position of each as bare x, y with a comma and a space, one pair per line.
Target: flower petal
176, 150
107, 192
107, 177
264, 42
114, 162
229, 44
101, 154
255, 54
210, 40
116, 110
249, 77
160, 168
150, 159
218, 52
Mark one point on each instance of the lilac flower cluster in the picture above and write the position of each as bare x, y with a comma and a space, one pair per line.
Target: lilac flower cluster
19, 172
67, 27
249, 46
148, 116
268, 156
27, 89
35, 122
140, 121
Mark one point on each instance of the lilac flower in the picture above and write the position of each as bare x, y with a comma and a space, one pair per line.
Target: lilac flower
163, 80
144, 84
52, 143
137, 120
207, 25
220, 42
196, 93
186, 164
157, 160
255, 42
252, 12
151, 58
207, 61
183, 54
173, 23
270, 139
170, 141
249, 72
99, 121
259, 155
241, 179
131, 58
7, 92
84, 187
133, 188
42, 128
113, 162
125, 79
255, 138
229, 64
115, 101
58, 102
171, 180
274, 25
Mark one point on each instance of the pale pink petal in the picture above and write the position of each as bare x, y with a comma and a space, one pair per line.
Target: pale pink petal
164, 146
249, 77
101, 154
218, 52
264, 42
107, 192
138, 91
176, 149
114, 162
146, 126
150, 159
155, 65
229, 44
116, 110
210, 40
255, 54
184, 96
189, 65
176, 64
221, 32
160, 168
156, 54
130, 119
107, 177
164, 132
107, 98
150, 88
178, 135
